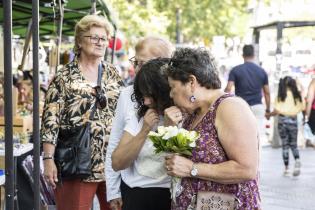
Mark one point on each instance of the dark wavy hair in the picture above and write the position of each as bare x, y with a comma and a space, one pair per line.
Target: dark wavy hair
197, 62
285, 84
151, 81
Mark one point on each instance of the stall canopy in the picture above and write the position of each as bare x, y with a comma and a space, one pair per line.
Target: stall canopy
49, 11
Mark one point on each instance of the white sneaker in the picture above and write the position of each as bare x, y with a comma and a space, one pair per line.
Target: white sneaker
297, 168
286, 172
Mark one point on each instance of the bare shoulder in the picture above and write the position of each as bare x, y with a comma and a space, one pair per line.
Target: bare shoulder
232, 104
234, 108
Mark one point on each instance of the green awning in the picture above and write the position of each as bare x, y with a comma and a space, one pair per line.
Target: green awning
49, 12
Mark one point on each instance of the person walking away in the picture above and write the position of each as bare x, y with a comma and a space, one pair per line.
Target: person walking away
288, 105
250, 81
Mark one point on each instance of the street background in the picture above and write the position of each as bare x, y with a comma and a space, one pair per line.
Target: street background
279, 192
287, 193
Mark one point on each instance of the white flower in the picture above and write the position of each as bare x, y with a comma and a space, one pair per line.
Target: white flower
161, 130
192, 135
171, 131
183, 131
192, 144
152, 133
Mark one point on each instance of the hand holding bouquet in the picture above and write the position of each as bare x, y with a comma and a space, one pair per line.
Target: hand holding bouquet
173, 140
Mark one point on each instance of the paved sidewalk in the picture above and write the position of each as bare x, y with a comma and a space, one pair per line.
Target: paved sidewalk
284, 193
287, 193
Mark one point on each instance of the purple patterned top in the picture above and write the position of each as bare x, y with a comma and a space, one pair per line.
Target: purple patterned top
209, 150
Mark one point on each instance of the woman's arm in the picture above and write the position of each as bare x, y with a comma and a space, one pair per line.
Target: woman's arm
129, 146
112, 177
237, 131
54, 105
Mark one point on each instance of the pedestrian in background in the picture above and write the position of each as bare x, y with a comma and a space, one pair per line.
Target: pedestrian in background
310, 106
147, 48
250, 81
70, 99
287, 106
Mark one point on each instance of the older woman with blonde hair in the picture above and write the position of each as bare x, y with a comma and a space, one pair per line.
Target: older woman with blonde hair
73, 95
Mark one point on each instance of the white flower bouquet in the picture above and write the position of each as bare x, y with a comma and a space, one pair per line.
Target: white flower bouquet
173, 140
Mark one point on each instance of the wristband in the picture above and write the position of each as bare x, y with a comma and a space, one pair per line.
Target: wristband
48, 158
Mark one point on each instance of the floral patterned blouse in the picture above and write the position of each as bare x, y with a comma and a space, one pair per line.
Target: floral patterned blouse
68, 104
209, 150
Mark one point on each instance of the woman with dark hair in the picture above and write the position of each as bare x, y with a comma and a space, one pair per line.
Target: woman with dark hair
147, 48
145, 89
287, 105
225, 159
148, 184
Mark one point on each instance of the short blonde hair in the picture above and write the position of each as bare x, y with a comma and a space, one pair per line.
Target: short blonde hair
156, 46
85, 24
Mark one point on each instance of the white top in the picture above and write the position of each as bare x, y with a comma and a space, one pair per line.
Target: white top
147, 170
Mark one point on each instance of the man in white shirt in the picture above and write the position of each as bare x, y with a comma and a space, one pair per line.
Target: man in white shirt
146, 49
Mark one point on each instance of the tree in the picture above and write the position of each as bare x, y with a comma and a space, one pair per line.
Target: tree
199, 19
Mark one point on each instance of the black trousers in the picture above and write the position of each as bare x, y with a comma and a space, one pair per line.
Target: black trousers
145, 198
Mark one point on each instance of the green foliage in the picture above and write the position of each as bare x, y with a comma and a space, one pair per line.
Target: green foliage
200, 20
174, 140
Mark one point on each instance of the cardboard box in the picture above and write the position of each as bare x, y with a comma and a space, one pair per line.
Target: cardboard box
20, 124
2, 162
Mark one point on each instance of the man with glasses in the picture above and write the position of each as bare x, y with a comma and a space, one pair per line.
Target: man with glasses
146, 49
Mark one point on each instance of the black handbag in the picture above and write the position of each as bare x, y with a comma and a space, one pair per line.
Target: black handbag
73, 151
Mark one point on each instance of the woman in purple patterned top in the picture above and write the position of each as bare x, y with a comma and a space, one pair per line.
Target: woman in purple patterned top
226, 156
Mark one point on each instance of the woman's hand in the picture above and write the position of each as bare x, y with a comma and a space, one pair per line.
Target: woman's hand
115, 204
178, 166
50, 172
173, 116
150, 119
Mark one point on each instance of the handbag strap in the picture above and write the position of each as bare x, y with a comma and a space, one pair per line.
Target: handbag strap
99, 85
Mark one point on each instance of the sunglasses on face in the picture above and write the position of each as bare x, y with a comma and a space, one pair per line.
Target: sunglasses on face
94, 39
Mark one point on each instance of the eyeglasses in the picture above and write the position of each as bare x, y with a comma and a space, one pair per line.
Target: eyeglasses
97, 39
136, 62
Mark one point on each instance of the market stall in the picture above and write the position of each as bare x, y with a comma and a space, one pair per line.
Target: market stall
32, 37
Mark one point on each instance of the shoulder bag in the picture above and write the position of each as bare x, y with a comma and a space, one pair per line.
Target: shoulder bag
73, 151
213, 200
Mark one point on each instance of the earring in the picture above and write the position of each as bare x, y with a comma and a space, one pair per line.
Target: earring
192, 99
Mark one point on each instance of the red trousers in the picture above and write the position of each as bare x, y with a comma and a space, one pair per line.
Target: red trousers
78, 195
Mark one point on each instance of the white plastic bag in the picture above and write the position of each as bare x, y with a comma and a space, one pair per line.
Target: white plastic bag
308, 133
